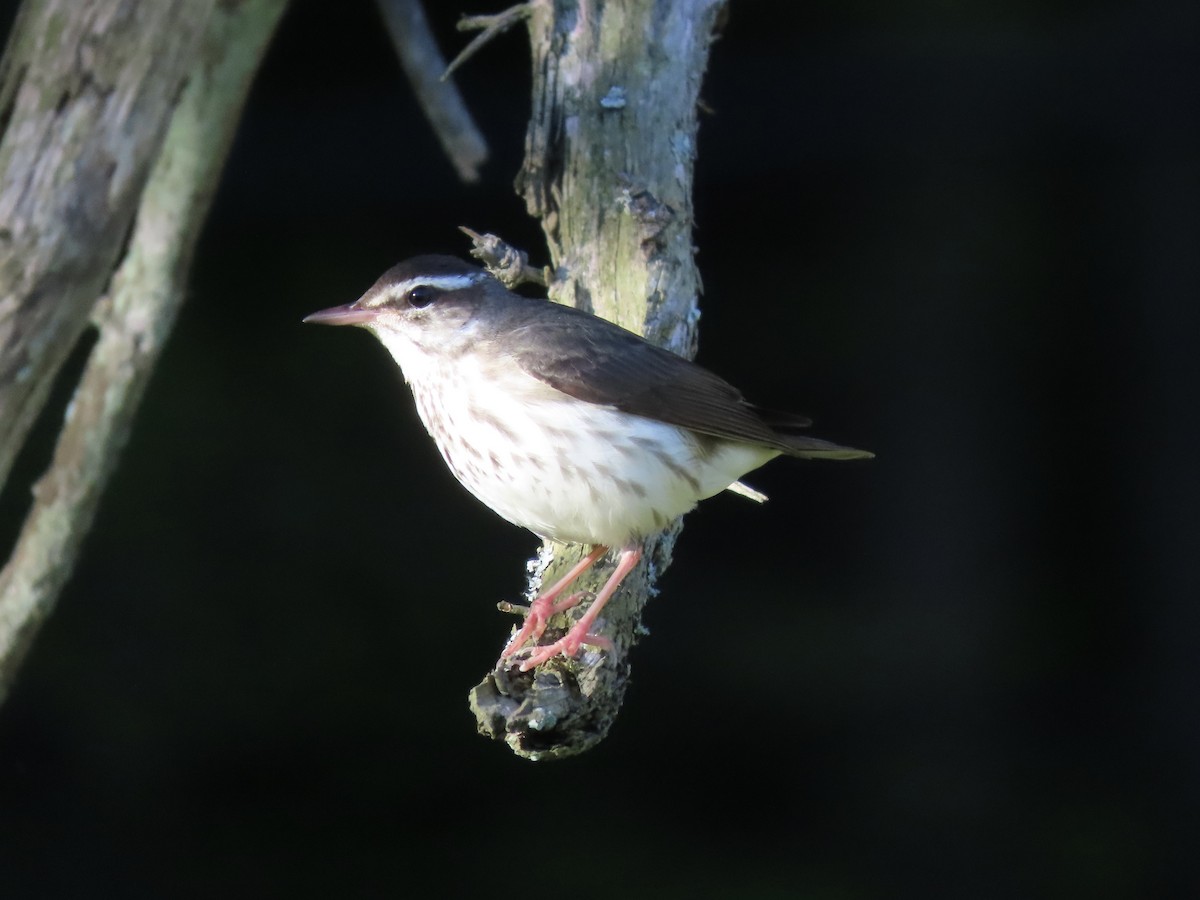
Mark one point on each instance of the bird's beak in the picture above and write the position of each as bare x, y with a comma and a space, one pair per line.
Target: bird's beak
350, 314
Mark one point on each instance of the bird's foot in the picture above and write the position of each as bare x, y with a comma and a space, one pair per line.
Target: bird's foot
536, 619
568, 645
544, 607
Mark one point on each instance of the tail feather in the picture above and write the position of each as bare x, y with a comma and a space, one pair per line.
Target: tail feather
787, 427
815, 448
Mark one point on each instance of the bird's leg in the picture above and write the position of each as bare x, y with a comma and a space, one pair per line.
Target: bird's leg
543, 606
569, 644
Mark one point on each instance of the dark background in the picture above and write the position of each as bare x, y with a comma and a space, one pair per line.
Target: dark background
964, 236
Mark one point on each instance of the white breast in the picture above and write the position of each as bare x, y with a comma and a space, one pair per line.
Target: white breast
564, 469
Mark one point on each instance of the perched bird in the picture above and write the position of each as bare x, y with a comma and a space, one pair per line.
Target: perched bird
564, 423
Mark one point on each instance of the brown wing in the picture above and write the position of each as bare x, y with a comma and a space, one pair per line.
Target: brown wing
594, 360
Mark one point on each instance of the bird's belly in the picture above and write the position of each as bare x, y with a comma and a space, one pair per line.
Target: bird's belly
578, 472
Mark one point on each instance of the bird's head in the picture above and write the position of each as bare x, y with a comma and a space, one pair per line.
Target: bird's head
423, 308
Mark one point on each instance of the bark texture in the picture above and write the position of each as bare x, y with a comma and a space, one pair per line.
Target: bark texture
608, 169
85, 97
115, 109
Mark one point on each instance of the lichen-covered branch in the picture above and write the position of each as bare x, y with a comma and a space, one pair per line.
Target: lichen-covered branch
509, 264
136, 315
608, 169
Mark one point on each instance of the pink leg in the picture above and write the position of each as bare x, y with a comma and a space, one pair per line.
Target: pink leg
569, 644
542, 608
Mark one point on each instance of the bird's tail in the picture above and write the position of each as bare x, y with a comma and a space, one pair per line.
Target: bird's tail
815, 448
786, 427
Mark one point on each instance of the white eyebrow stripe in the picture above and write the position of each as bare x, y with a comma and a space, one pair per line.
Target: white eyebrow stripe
441, 282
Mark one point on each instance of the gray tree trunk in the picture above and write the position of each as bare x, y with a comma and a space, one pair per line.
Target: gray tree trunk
608, 169
118, 115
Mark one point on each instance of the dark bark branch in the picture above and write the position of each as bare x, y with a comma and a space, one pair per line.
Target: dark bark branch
440, 100
608, 170
135, 317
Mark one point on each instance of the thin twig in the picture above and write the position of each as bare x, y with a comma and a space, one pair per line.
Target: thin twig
441, 102
492, 27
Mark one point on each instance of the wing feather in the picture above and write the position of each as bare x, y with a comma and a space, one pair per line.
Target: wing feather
594, 360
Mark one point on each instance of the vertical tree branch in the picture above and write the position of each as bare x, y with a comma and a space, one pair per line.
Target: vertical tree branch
608, 169
136, 316
86, 96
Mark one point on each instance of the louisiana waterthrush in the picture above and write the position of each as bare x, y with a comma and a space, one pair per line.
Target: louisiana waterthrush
564, 423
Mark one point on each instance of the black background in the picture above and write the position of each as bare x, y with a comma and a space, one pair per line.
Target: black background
964, 236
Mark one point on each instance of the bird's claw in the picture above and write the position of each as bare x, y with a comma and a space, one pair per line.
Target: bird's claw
568, 645
537, 617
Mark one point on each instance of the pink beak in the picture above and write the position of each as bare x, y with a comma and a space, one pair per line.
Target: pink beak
341, 315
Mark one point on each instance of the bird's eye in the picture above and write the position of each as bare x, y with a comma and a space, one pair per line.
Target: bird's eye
421, 296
